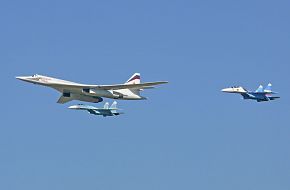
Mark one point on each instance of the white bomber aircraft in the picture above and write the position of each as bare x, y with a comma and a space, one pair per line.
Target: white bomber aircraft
93, 93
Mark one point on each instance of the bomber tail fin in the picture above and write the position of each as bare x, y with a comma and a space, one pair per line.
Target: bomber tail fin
134, 79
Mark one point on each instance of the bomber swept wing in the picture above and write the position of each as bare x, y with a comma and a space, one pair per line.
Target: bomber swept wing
110, 87
130, 86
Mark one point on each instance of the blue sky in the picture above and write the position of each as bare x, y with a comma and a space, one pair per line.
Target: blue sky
188, 135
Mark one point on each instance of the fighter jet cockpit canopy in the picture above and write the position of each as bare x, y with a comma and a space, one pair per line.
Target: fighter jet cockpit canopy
239, 87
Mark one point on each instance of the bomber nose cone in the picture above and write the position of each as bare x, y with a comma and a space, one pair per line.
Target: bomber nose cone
23, 78
20, 78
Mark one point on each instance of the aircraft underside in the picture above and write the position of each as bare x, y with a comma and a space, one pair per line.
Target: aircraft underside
258, 97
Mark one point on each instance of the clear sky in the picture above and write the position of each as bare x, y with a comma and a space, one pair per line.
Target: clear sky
187, 135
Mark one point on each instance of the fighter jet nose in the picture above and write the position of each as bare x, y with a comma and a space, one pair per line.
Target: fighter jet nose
226, 90
72, 107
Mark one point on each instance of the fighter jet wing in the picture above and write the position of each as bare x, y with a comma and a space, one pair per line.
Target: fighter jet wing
105, 109
101, 111
130, 86
264, 93
91, 111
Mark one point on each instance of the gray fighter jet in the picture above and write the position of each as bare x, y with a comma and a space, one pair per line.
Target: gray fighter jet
105, 111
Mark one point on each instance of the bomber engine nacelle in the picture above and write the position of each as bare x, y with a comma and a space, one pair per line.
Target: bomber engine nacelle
118, 95
85, 98
80, 97
86, 90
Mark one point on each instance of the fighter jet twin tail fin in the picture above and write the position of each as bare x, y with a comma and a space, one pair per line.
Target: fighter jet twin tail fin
268, 89
112, 107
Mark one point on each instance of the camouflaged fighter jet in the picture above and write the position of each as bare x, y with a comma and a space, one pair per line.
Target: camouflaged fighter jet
260, 95
105, 111
130, 90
